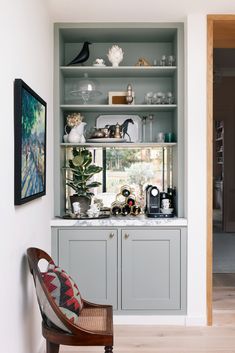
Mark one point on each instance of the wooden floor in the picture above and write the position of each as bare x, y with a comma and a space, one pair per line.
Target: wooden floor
224, 299
220, 338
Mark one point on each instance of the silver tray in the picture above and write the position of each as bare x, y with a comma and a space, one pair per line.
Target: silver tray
78, 218
134, 130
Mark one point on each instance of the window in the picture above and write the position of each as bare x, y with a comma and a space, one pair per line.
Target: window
134, 167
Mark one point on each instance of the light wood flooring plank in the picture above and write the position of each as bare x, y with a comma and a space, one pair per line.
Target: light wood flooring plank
220, 338
223, 280
149, 339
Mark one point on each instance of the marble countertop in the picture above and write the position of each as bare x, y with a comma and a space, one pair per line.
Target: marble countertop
120, 222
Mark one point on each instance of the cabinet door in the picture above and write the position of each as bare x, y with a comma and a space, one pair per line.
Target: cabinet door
90, 257
151, 269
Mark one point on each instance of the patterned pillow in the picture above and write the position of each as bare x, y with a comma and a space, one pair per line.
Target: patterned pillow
64, 291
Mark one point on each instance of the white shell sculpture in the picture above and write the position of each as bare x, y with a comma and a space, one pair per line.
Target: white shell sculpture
115, 55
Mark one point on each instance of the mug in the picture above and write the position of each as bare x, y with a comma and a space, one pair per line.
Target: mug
165, 204
76, 207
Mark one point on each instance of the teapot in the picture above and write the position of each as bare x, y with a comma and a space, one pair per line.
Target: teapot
98, 133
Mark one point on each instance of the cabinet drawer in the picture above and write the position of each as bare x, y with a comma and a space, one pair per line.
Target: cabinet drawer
151, 269
90, 256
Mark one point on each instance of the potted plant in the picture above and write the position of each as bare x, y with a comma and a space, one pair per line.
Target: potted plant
82, 171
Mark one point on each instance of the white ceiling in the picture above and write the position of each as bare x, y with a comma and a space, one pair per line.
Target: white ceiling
134, 10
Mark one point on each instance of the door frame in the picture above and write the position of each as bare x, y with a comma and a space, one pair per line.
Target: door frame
211, 19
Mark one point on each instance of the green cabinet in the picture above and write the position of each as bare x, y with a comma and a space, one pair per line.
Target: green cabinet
137, 270
151, 269
90, 257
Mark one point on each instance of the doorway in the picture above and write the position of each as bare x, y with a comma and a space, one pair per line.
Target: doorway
221, 169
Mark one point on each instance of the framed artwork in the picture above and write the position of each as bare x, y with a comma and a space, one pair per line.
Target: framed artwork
30, 143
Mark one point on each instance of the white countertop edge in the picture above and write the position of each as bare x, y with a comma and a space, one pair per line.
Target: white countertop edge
140, 221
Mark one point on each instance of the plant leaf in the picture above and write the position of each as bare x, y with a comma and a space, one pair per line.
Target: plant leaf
94, 184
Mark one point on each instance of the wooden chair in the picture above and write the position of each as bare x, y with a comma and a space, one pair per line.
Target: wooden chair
95, 322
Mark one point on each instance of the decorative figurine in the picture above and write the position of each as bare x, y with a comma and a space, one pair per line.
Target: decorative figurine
123, 128
143, 62
117, 133
82, 56
115, 55
94, 211
99, 62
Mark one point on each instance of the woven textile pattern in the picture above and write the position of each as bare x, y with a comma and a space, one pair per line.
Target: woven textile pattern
64, 291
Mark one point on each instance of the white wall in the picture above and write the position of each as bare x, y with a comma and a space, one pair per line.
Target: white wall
134, 11
196, 122
26, 52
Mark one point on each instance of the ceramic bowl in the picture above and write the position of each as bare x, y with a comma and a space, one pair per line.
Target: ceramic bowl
167, 210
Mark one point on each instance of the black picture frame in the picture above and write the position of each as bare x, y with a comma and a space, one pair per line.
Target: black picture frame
30, 120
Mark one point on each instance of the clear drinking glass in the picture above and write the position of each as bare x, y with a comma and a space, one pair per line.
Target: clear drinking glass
171, 60
149, 98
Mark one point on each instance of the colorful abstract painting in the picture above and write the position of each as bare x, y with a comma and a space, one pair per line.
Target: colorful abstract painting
30, 144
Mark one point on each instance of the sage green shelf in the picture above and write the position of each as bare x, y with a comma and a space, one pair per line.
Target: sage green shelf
119, 145
119, 107
121, 71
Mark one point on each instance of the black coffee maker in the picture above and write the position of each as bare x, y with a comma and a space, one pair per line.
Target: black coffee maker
152, 208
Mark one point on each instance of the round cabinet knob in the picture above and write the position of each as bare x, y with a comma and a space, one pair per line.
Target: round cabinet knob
126, 235
111, 235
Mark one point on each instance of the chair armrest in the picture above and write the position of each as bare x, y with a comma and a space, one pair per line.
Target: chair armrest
87, 304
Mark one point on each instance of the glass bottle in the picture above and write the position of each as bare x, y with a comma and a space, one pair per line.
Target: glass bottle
150, 128
131, 200
115, 209
144, 128
125, 190
126, 209
135, 210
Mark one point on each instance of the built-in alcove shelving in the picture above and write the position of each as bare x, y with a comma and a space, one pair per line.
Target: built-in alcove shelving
137, 40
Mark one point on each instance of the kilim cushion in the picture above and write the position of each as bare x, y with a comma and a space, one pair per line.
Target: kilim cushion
64, 291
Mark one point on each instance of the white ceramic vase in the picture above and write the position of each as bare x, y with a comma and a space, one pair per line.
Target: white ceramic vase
115, 55
76, 134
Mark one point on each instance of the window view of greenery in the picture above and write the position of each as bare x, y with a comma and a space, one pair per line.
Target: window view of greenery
134, 167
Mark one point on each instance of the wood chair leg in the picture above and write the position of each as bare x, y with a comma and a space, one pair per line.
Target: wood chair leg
108, 349
52, 347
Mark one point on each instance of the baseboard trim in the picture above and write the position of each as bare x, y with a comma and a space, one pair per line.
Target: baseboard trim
159, 320
149, 320
195, 321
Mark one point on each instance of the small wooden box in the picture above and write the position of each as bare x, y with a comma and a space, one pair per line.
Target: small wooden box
119, 98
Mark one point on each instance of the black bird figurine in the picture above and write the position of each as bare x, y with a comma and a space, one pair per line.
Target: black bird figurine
82, 56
